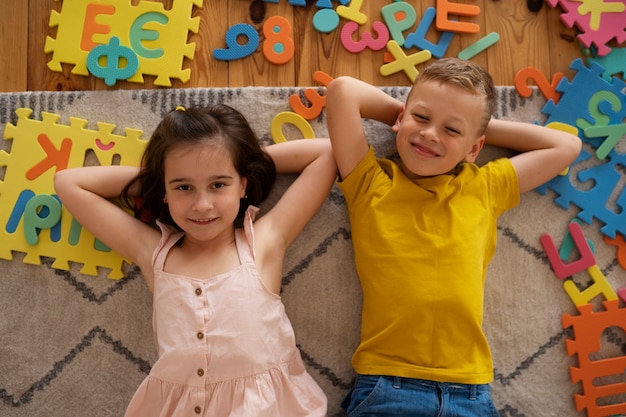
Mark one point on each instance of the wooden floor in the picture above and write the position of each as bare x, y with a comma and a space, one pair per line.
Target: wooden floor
527, 38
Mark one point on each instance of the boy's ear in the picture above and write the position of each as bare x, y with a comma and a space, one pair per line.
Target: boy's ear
396, 125
473, 152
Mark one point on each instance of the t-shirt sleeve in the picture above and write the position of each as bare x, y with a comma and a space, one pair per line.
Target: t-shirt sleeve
503, 185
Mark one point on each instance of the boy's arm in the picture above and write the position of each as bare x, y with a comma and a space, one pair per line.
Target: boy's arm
348, 101
544, 152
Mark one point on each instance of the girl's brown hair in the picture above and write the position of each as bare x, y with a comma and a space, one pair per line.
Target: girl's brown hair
217, 125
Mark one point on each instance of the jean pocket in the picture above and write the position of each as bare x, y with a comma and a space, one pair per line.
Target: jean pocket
364, 393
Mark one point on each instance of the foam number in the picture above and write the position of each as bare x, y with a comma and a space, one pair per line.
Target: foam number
295, 119
115, 55
353, 12
42, 211
235, 50
278, 47
318, 102
366, 41
548, 89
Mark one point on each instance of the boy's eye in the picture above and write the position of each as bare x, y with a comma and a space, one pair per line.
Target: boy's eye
453, 130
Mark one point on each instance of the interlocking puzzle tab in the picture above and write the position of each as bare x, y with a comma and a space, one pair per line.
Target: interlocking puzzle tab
599, 21
597, 107
113, 40
589, 328
32, 219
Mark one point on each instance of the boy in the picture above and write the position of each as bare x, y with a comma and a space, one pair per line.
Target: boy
424, 231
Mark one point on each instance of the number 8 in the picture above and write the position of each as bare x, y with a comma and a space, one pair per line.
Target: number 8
278, 47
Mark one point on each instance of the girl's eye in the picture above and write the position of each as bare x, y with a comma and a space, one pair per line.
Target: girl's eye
184, 187
219, 185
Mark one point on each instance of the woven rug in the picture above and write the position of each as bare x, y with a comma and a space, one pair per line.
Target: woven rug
77, 344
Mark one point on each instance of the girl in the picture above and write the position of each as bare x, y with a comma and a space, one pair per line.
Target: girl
225, 345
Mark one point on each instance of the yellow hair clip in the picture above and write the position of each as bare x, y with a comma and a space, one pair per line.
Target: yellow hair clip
180, 108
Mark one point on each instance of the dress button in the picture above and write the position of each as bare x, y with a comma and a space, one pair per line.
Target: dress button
200, 372
198, 291
197, 410
200, 335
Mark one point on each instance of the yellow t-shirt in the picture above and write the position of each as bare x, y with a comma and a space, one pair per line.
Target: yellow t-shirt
422, 248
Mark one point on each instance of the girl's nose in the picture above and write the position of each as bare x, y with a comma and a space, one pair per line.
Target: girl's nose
203, 201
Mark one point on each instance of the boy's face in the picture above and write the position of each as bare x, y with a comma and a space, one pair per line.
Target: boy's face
438, 128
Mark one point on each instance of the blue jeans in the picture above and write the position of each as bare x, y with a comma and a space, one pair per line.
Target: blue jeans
382, 396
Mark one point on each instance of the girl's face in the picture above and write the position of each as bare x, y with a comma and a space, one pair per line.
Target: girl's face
203, 191
438, 128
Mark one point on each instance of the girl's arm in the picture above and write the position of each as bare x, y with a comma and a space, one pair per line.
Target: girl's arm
277, 229
348, 101
85, 193
544, 152
313, 160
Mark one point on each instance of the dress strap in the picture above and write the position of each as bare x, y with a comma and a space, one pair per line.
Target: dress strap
245, 237
169, 237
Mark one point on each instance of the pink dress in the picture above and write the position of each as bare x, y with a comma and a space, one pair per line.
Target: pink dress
225, 345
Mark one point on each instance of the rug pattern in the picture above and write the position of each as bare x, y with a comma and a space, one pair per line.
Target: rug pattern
75, 345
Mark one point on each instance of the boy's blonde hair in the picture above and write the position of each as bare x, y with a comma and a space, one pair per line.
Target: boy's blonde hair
464, 74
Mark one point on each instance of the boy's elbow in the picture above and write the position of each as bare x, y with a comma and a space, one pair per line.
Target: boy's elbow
339, 85
572, 146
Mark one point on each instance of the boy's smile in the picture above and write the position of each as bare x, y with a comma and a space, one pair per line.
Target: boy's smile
438, 128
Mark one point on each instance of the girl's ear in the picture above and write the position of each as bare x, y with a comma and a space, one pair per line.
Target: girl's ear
244, 183
396, 125
473, 152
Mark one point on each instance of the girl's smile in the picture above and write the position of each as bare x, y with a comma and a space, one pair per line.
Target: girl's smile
203, 191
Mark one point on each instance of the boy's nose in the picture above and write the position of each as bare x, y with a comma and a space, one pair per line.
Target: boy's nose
429, 133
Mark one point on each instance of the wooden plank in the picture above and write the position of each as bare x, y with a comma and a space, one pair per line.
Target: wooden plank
40, 77
537, 39
563, 45
307, 40
468, 39
206, 71
332, 58
256, 70
523, 40
14, 35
